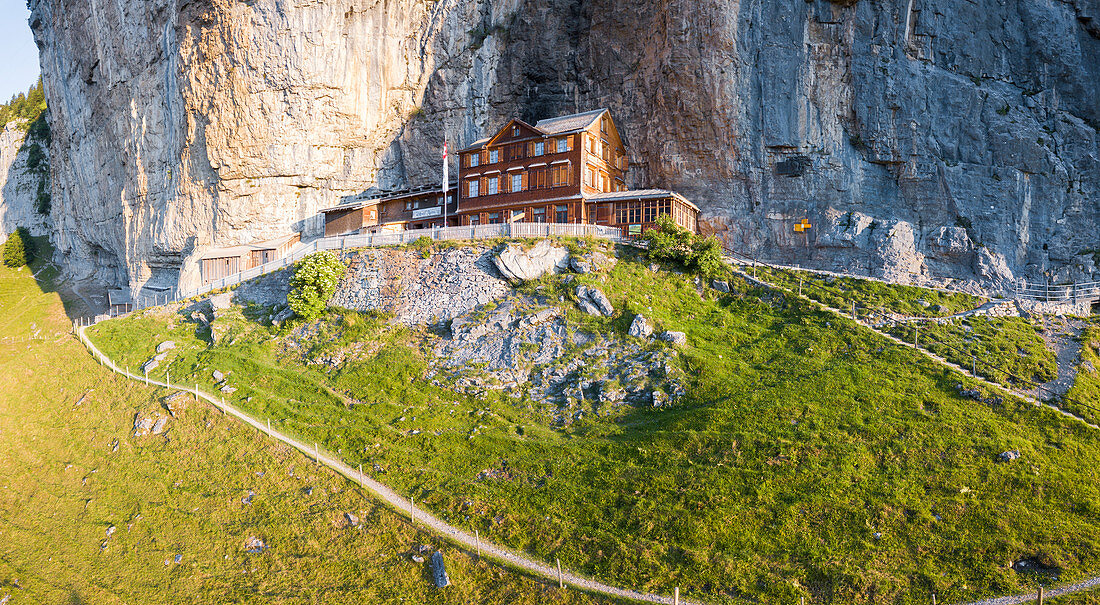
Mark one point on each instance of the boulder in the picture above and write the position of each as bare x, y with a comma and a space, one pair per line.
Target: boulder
1009, 456
218, 376
165, 346
640, 328
720, 285
254, 545
149, 366
580, 265
142, 424
160, 357
282, 316
353, 520
439, 572
222, 301
676, 338
158, 426
593, 301
518, 265
228, 390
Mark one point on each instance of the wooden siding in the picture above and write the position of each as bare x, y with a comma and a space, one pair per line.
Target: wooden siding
340, 222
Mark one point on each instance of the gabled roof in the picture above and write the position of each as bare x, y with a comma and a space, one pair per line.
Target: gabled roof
569, 123
550, 126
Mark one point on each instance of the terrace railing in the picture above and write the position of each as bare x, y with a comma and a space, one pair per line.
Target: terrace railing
369, 240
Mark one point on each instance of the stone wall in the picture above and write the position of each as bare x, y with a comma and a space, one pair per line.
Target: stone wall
419, 290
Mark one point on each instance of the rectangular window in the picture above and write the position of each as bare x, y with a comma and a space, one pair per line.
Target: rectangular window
408, 205
606, 151
517, 216
559, 176
561, 214
517, 182
539, 146
563, 145
473, 160
493, 219
471, 188
494, 156
538, 215
494, 183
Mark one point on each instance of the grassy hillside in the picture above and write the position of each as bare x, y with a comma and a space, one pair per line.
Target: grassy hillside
809, 458
64, 485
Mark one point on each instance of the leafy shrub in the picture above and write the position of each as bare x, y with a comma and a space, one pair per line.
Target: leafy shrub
313, 283
671, 242
424, 245
19, 249
26, 108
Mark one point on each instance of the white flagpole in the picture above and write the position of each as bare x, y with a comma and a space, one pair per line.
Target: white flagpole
446, 178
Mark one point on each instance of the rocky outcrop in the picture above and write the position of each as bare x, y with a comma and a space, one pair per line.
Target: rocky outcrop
182, 125
525, 348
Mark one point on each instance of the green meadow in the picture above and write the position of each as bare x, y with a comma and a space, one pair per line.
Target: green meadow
810, 457
91, 514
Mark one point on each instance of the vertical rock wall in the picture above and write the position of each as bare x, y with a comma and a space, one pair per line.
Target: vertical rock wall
932, 138
18, 186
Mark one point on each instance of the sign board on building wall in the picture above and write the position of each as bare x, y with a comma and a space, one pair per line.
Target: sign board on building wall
634, 230
426, 212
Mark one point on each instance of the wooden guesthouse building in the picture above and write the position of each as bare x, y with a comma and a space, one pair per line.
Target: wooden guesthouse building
569, 169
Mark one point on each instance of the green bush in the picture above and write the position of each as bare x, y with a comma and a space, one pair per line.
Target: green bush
19, 249
26, 108
313, 283
671, 242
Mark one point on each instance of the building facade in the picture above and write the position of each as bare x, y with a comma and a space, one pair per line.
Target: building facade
569, 169
397, 211
217, 263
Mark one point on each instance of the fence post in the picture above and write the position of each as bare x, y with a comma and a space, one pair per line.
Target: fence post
676, 596
1040, 594
477, 541
360, 475
561, 582
196, 393
412, 510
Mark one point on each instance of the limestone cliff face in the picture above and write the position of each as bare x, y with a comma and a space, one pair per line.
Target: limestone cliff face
934, 138
18, 186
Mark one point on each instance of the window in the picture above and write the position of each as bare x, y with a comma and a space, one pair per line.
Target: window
538, 215
606, 151
494, 156
493, 219
494, 184
515, 131
563, 145
561, 214
517, 182
560, 175
471, 188
517, 216
473, 160
408, 205
603, 124
539, 146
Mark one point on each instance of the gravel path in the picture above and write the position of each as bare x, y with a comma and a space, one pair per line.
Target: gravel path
402, 505
1061, 335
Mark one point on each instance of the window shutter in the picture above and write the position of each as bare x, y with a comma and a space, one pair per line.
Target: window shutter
525, 185
569, 142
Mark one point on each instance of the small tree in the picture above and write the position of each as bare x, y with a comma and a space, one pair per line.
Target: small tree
19, 249
314, 282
